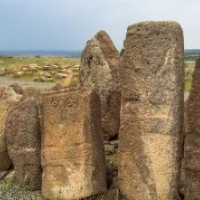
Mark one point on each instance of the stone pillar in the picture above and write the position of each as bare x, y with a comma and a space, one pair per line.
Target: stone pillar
23, 139
8, 98
192, 140
99, 70
73, 158
152, 85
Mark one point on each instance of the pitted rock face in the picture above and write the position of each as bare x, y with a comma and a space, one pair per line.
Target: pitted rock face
17, 88
23, 143
192, 140
99, 70
8, 98
152, 82
73, 159
33, 92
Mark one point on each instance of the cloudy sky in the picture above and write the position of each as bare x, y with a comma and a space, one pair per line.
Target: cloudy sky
68, 24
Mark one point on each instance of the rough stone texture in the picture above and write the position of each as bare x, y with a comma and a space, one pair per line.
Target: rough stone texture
8, 98
192, 140
99, 70
24, 143
17, 88
57, 87
33, 92
73, 158
152, 83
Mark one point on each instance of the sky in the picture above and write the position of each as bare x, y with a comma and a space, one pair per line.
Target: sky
68, 24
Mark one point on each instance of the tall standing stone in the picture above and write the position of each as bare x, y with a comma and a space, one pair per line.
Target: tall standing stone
192, 140
99, 70
152, 84
8, 98
23, 139
72, 146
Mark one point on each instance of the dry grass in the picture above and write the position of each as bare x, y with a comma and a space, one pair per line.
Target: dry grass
189, 68
14, 68
18, 62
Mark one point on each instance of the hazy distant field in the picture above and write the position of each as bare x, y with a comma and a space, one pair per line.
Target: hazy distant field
15, 64
189, 68
33, 68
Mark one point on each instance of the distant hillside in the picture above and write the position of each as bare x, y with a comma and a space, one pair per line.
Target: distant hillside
30, 53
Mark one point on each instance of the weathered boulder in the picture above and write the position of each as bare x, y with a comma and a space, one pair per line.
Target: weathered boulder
192, 140
73, 159
61, 75
152, 85
99, 70
24, 144
8, 98
46, 75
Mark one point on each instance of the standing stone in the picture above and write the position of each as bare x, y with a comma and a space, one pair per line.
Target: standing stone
152, 83
8, 98
99, 70
23, 142
72, 146
192, 140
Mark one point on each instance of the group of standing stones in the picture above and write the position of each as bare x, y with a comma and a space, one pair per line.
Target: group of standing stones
138, 95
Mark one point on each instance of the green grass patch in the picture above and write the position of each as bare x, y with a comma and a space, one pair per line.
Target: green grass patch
15, 64
6, 62
189, 68
31, 68
112, 158
5, 185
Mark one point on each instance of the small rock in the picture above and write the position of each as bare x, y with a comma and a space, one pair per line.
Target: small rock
43, 79
115, 143
47, 67
25, 69
109, 149
19, 73
61, 75
46, 75
10, 176
33, 66
3, 174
